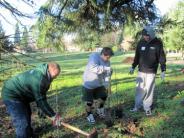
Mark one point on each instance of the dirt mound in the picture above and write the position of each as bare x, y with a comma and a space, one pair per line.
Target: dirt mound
128, 60
174, 86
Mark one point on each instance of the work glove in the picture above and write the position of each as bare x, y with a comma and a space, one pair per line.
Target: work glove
131, 71
56, 120
162, 75
108, 70
107, 79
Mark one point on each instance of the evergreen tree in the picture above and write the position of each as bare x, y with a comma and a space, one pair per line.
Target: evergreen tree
173, 32
17, 35
4, 42
25, 39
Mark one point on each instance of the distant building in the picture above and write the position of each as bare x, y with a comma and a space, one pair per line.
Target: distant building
98, 49
69, 44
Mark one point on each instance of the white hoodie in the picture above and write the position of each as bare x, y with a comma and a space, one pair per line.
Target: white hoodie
95, 74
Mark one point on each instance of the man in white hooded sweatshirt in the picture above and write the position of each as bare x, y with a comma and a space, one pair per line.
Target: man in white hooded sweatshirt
95, 81
149, 53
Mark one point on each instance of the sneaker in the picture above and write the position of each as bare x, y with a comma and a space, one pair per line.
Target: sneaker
101, 112
134, 109
91, 119
148, 113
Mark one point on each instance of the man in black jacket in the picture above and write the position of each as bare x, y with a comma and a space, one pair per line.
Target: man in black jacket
149, 53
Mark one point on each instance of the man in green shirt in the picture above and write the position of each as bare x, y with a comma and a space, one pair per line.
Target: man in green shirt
19, 91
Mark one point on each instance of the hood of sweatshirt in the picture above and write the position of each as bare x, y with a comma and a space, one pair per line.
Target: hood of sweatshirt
148, 30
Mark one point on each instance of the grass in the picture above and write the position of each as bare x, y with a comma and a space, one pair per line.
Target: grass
167, 120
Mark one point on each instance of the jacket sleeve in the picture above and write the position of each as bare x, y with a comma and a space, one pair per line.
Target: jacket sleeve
45, 107
162, 57
41, 99
94, 66
136, 58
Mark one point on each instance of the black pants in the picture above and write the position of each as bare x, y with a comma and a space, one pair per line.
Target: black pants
90, 94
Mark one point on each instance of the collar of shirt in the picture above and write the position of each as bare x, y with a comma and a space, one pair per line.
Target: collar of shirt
48, 75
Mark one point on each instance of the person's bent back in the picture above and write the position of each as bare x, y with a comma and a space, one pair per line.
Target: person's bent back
27, 87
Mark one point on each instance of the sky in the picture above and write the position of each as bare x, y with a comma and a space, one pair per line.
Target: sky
9, 23
163, 5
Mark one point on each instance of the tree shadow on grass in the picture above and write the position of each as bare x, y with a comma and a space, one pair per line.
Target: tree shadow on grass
167, 107
164, 93
167, 90
70, 97
123, 80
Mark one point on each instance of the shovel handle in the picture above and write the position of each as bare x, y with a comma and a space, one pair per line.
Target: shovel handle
75, 129
109, 86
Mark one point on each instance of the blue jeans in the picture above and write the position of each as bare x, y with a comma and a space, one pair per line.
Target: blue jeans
21, 117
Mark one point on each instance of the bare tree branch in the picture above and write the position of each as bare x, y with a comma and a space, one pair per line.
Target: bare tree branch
13, 10
12, 35
59, 15
19, 61
26, 2
5, 19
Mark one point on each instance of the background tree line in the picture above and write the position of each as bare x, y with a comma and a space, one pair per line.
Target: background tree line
96, 23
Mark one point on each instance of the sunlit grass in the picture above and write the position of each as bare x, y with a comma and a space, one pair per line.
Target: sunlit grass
65, 97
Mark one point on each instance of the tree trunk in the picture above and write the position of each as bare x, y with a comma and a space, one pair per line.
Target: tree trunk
182, 53
0, 52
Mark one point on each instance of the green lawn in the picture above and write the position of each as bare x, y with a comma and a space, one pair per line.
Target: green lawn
168, 115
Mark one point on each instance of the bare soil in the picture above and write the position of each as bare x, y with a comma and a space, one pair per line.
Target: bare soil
128, 60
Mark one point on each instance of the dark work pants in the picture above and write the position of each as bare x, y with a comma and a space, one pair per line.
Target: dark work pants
21, 117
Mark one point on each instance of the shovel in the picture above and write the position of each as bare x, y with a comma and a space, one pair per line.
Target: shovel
92, 134
108, 117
